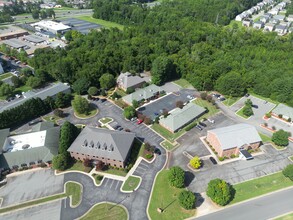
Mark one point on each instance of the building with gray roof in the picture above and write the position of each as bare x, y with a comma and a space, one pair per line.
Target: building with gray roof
51, 91
284, 110
97, 144
229, 140
34, 39
178, 118
146, 93
127, 80
26, 149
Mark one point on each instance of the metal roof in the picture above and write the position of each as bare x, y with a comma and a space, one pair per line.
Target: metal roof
103, 143
236, 135
127, 80
15, 43
144, 93
180, 117
284, 110
34, 39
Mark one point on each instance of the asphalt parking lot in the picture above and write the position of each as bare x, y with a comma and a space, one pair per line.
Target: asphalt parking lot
111, 184
141, 168
167, 102
31, 185
47, 211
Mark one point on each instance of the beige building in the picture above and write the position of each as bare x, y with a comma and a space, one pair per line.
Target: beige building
230, 140
97, 144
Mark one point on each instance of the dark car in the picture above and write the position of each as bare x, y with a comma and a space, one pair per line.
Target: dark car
198, 127
213, 160
222, 99
120, 129
216, 95
117, 127
158, 151
247, 95
103, 100
202, 124
254, 106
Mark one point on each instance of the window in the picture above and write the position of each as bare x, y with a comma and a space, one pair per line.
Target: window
120, 166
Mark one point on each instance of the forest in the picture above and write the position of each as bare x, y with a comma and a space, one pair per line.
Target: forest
172, 42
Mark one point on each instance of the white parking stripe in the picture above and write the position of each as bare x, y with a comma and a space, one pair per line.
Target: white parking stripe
144, 165
112, 183
141, 168
106, 181
117, 185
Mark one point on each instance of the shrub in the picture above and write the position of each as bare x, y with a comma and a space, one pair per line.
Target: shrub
219, 191
274, 128
289, 120
280, 116
176, 177
186, 199
288, 172
149, 156
221, 158
233, 156
268, 115
130, 90
265, 124
58, 113
190, 126
195, 162
87, 162
147, 121
99, 177
281, 138
203, 95
179, 104
93, 91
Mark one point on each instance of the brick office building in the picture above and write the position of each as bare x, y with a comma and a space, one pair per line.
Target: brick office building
230, 140
97, 144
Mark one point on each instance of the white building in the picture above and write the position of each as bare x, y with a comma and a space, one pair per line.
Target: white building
258, 25
290, 18
51, 26
246, 23
269, 27
281, 30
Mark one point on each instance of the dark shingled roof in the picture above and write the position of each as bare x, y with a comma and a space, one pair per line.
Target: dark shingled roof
103, 143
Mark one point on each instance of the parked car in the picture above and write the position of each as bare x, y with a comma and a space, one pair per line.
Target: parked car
133, 119
156, 114
222, 99
216, 95
202, 124
213, 160
35, 121
247, 95
139, 121
120, 129
117, 127
211, 120
158, 151
198, 127
254, 106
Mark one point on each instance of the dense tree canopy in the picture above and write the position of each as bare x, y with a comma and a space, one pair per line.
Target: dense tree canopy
187, 199
68, 134
280, 138
181, 34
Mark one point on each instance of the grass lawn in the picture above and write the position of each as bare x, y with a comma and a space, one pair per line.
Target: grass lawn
64, 8
167, 134
240, 113
98, 178
115, 172
121, 92
78, 165
230, 101
5, 75
105, 120
165, 197
106, 211
106, 24
93, 111
74, 190
51, 118
263, 98
238, 23
212, 110
183, 83
168, 145
278, 147
285, 217
260, 186
22, 89
131, 183
291, 158
265, 138
120, 103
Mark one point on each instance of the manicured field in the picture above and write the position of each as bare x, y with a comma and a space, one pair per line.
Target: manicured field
105, 120
212, 110
230, 101
165, 197
93, 111
167, 134
260, 186
106, 211
265, 138
5, 76
183, 83
104, 23
80, 167
240, 113
168, 145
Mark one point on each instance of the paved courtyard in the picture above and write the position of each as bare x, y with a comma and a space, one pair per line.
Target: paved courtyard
31, 185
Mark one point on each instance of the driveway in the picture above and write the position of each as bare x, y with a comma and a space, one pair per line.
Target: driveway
31, 185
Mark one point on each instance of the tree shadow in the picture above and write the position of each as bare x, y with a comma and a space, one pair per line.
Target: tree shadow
199, 200
189, 177
232, 192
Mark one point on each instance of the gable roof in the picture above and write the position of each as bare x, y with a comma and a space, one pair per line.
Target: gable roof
144, 93
126, 80
180, 117
44, 153
41, 126
103, 143
236, 135
4, 133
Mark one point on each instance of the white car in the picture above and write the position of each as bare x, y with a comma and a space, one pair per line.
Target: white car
211, 120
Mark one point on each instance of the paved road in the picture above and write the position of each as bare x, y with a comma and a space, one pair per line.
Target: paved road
265, 207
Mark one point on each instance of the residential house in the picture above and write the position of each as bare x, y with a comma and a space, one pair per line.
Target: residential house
98, 144
281, 30
284, 110
264, 19
247, 22
25, 149
50, 91
127, 80
230, 140
279, 17
274, 21
178, 118
144, 94
269, 27
240, 17
258, 25
290, 18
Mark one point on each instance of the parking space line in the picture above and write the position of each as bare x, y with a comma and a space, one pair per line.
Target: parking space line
143, 170
117, 185
145, 165
107, 179
112, 183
